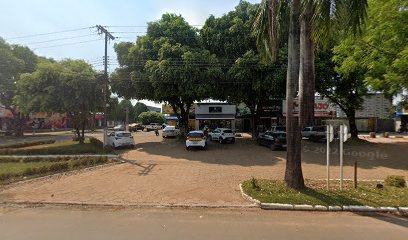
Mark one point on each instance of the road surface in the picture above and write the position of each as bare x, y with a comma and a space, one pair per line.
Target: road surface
65, 223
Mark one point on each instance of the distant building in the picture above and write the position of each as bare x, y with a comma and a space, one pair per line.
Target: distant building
215, 115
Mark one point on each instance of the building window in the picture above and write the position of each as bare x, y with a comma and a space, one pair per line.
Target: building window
215, 109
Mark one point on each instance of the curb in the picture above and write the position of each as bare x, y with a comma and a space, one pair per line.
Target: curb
110, 156
248, 198
118, 205
321, 208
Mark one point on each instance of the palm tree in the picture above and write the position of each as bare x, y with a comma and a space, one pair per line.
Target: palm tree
311, 22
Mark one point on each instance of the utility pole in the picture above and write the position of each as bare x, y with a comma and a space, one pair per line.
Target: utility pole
108, 36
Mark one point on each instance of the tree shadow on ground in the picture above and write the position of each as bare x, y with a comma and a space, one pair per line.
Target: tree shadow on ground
386, 217
367, 154
333, 199
243, 153
246, 152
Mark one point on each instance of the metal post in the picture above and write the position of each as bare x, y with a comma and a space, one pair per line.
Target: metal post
355, 174
127, 118
341, 156
328, 155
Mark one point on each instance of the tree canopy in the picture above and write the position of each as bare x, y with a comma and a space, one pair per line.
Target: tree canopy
69, 86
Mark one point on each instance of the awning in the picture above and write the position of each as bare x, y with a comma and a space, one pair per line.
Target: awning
215, 117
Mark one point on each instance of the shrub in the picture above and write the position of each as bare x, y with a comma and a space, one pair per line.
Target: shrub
57, 167
96, 142
254, 183
395, 181
27, 144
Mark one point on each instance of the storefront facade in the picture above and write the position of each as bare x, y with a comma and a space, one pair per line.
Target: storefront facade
214, 115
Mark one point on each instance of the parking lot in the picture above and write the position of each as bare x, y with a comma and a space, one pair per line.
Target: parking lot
162, 171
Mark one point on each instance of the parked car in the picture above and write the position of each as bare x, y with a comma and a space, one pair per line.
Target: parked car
196, 139
153, 126
119, 128
278, 129
133, 127
314, 133
222, 135
275, 141
120, 139
170, 131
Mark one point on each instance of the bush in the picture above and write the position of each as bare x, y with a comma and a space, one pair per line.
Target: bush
151, 117
57, 167
27, 144
395, 181
96, 141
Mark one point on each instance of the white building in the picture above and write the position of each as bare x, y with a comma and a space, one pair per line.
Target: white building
213, 115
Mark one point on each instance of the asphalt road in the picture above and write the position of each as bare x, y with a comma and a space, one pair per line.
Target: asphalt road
59, 223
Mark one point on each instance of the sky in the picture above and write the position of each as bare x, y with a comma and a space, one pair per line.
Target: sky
74, 20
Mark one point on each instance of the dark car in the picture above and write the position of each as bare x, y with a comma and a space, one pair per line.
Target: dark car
275, 141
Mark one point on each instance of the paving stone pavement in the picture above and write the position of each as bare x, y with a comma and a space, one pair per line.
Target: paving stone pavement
161, 171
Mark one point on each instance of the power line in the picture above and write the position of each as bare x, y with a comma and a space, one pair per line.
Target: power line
49, 33
68, 44
60, 39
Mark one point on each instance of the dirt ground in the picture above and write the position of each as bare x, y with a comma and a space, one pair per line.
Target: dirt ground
162, 171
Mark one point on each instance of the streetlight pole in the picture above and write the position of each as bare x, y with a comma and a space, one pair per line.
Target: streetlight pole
108, 36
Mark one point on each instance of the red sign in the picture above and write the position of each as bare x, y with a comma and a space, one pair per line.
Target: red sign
322, 108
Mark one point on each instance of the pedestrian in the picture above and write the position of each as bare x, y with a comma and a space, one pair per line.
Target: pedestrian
157, 132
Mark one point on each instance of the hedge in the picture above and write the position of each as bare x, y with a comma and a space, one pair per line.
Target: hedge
60, 165
27, 144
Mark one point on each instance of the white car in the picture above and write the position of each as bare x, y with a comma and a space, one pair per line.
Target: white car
196, 139
170, 131
222, 135
121, 139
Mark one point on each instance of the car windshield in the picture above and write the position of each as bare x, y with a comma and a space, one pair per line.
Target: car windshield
123, 135
196, 135
227, 131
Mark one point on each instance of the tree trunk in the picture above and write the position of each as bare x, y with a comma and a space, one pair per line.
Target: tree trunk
351, 115
82, 138
18, 121
306, 69
293, 172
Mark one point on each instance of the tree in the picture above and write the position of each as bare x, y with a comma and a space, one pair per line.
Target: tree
248, 79
14, 60
254, 83
310, 23
384, 44
69, 86
167, 65
341, 80
151, 117
118, 111
139, 108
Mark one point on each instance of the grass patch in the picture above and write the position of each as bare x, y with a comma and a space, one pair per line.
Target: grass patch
274, 191
26, 144
11, 171
68, 147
